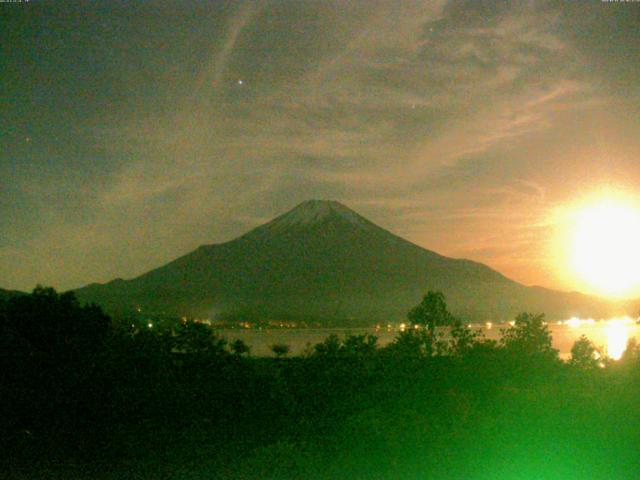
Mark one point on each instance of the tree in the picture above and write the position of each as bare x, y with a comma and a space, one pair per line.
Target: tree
52, 361
631, 354
352, 346
54, 323
239, 347
280, 350
410, 343
463, 339
359, 345
330, 347
529, 337
584, 354
431, 312
197, 339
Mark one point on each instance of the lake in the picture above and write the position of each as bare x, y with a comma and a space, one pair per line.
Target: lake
611, 336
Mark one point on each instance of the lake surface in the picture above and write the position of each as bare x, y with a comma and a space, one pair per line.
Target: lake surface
611, 336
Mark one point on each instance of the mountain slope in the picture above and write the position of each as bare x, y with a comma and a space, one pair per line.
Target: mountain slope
324, 262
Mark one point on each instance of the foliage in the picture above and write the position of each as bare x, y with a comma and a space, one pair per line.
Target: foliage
631, 354
362, 345
359, 345
584, 354
630, 360
409, 343
239, 347
280, 350
348, 412
197, 339
529, 336
418, 343
53, 350
330, 347
463, 339
431, 312
54, 323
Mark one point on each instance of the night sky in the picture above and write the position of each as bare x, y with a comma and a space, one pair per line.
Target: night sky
133, 132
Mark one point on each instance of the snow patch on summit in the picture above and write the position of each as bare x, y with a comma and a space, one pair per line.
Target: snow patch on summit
316, 211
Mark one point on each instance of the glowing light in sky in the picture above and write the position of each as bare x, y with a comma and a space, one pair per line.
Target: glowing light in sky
605, 249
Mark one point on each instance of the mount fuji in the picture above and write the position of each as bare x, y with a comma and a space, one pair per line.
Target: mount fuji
321, 262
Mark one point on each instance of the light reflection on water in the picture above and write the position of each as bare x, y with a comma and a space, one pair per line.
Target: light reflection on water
615, 333
617, 338
610, 336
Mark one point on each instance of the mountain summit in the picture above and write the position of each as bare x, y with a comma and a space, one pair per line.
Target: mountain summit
325, 263
314, 211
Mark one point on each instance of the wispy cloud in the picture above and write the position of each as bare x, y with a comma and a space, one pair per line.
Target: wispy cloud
456, 123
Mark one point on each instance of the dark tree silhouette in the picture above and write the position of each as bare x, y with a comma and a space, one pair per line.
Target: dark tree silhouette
631, 354
584, 354
280, 350
359, 345
239, 348
330, 347
409, 343
529, 336
463, 339
197, 339
53, 352
52, 323
431, 312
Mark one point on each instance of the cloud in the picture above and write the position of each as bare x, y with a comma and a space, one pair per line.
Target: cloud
456, 123
213, 71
